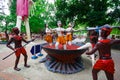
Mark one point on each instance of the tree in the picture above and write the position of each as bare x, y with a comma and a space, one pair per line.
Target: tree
6, 22
114, 14
90, 12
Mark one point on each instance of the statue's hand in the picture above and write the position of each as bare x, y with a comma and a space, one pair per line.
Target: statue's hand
31, 2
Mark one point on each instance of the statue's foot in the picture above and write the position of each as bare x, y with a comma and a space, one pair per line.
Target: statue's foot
17, 69
27, 66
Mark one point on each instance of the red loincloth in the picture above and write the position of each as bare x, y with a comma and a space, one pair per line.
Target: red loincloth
20, 51
106, 65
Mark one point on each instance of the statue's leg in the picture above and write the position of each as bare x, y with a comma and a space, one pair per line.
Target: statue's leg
64, 46
70, 43
94, 74
18, 23
27, 28
109, 76
50, 44
56, 45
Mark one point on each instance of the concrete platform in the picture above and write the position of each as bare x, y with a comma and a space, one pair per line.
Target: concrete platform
38, 71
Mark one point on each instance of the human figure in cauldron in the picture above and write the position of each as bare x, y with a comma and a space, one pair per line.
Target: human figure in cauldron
48, 37
61, 37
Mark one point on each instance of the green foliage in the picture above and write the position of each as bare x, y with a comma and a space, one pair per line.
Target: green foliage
82, 27
92, 12
40, 14
13, 9
115, 30
82, 12
7, 23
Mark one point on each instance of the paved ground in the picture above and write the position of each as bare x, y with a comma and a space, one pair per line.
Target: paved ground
39, 72
9, 62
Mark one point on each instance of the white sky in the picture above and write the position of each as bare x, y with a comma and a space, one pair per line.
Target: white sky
51, 1
5, 7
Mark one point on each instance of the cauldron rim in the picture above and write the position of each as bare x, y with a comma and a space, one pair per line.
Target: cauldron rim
43, 46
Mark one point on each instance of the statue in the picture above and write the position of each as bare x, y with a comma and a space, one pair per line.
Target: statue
22, 12
60, 39
69, 34
48, 37
93, 40
105, 61
18, 48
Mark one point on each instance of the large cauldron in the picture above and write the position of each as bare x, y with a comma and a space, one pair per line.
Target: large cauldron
63, 61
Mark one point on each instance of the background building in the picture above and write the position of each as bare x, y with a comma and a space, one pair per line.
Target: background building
4, 7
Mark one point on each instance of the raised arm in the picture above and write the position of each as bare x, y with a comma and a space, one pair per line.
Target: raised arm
87, 45
28, 41
115, 42
93, 50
